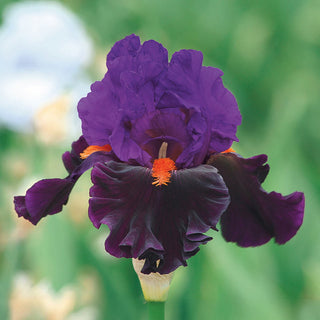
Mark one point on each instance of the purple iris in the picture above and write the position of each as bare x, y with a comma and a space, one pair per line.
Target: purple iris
157, 135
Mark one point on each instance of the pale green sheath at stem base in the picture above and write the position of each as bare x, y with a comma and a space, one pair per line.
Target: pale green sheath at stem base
155, 288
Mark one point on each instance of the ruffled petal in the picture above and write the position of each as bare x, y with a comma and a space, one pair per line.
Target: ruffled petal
121, 57
99, 112
160, 224
126, 47
181, 81
47, 197
152, 60
193, 86
255, 216
140, 82
221, 109
184, 72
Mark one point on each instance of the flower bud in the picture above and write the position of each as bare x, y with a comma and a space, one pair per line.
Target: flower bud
155, 286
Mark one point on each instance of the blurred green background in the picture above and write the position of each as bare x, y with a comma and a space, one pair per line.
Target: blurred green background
270, 54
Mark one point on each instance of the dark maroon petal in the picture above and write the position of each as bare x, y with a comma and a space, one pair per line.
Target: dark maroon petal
43, 198
255, 216
163, 223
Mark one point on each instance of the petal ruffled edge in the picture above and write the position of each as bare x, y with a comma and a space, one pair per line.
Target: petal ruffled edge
163, 225
255, 216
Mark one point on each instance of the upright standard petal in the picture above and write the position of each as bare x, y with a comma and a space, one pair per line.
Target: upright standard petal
99, 112
121, 57
192, 85
221, 109
255, 216
139, 83
163, 225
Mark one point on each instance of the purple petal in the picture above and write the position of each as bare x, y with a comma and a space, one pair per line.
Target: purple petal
43, 198
165, 125
125, 147
122, 58
184, 70
71, 159
99, 112
126, 47
156, 223
152, 60
47, 197
125, 93
182, 79
255, 216
221, 108
192, 85
77, 166
197, 149
138, 84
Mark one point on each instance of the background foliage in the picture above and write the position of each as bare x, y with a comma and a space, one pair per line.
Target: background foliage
270, 54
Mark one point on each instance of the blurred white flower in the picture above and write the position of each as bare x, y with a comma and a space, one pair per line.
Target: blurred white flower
30, 300
43, 54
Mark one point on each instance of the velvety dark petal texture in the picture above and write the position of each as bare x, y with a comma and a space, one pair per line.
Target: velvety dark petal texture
47, 197
163, 223
255, 216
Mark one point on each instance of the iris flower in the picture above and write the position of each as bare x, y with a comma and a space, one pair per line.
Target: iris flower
158, 136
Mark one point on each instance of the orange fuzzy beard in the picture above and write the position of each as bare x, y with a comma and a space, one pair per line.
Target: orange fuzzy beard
228, 150
161, 171
91, 149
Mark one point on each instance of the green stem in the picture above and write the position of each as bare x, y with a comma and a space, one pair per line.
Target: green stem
156, 310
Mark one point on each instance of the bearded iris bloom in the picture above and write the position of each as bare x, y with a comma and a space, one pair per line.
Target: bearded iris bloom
158, 136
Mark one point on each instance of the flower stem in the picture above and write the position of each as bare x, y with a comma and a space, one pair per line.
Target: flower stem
156, 310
